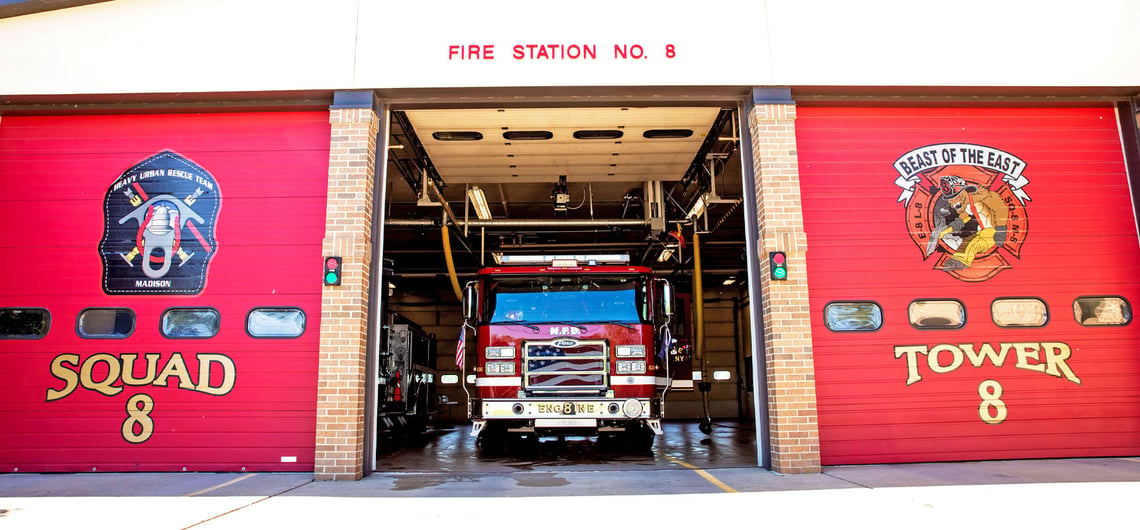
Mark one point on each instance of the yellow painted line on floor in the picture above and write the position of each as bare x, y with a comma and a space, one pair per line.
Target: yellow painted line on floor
220, 486
707, 476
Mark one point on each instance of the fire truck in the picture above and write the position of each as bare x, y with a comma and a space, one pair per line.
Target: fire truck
569, 346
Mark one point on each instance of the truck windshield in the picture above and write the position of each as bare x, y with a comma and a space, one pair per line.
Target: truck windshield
540, 299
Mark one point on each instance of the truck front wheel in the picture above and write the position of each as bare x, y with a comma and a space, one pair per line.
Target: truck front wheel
639, 438
492, 440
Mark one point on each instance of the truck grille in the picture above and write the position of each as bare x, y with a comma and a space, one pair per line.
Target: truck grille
565, 365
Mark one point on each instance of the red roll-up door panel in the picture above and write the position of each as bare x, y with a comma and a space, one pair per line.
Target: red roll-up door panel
222, 212
1036, 211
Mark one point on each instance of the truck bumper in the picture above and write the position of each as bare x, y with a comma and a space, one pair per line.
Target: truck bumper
592, 415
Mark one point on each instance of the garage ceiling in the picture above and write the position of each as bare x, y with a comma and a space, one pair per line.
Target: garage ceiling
517, 156
611, 143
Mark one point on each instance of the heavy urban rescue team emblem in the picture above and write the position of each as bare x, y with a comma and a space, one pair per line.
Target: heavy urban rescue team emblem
965, 207
159, 218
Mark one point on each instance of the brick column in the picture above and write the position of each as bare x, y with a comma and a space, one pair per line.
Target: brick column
344, 308
792, 419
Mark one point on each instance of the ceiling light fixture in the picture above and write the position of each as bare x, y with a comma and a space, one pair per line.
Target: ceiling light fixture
561, 196
479, 202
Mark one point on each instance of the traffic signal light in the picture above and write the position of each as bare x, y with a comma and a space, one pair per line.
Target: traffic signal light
778, 264
332, 270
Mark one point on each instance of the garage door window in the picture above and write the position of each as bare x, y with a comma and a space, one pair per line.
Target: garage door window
1102, 311
24, 323
936, 314
105, 323
853, 316
275, 322
190, 322
1019, 312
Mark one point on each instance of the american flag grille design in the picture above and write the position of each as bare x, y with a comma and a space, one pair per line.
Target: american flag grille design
565, 365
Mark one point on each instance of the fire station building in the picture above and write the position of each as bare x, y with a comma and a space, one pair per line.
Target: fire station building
234, 236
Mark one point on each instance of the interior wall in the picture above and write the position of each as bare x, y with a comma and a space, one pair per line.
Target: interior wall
725, 337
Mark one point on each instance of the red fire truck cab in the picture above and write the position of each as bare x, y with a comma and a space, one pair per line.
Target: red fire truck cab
569, 345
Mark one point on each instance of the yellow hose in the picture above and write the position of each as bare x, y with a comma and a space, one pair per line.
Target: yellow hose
698, 300
451, 263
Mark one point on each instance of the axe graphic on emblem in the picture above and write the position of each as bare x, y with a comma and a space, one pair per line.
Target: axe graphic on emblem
160, 228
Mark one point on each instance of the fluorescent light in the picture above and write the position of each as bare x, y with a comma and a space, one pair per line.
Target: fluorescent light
479, 202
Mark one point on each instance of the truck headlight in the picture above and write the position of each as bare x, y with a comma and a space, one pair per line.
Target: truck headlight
632, 408
631, 350
631, 367
499, 368
500, 352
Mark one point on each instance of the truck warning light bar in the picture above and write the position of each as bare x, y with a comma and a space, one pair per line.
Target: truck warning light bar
564, 260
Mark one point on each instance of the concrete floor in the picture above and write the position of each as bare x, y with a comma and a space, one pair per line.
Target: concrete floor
688, 480
451, 449
1040, 494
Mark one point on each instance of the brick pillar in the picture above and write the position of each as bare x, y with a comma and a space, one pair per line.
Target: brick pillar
792, 420
344, 308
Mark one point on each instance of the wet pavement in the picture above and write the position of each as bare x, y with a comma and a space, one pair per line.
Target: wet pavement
451, 449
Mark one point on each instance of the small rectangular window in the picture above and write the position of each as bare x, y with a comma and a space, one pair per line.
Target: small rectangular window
24, 323
449, 379
190, 322
936, 314
1019, 312
853, 316
1102, 311
105, 323
275, 322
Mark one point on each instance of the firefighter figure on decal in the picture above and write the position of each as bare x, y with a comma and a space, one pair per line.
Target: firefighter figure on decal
965, 206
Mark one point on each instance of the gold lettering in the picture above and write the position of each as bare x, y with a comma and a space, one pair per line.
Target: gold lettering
129, 369
911, 353
175, 367
1027, 351
1029, 357
67, 375
936, 367
229, 373
1056, 353
985, 350
106, 386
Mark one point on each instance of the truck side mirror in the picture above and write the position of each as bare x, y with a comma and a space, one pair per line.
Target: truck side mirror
667, 299
470, 302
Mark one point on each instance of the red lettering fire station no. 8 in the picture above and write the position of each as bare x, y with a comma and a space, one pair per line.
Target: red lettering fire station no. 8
161, 310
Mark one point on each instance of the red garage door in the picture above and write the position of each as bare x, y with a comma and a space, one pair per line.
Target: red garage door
972, 273
159, 305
